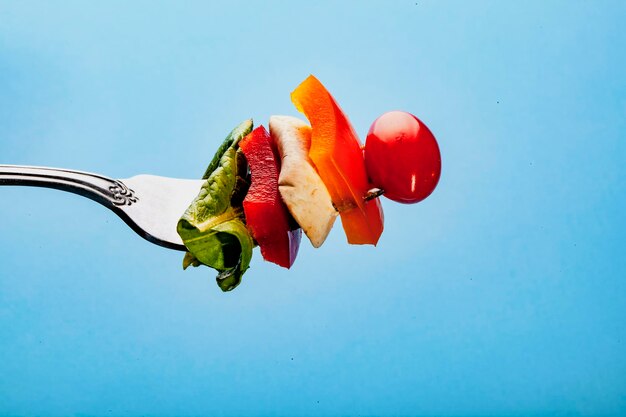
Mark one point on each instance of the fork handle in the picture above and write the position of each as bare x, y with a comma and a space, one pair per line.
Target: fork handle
106, 191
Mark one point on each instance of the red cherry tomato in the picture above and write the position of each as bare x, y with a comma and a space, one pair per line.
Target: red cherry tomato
402, 157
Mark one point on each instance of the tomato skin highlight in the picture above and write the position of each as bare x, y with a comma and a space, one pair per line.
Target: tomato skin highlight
266, 215
338, 157
402, 157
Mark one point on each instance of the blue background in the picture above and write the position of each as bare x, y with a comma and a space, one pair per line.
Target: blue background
501, 294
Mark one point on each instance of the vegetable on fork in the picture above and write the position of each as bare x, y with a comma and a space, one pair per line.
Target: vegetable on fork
337, 154
266, 216
213, 228
299, 184
312, 173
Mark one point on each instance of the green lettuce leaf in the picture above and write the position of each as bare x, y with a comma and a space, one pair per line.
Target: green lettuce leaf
213, 228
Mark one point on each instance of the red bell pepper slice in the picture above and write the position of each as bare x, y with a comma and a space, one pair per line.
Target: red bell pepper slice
266, 215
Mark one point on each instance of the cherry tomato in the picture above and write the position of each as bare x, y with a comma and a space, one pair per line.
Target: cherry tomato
402, 157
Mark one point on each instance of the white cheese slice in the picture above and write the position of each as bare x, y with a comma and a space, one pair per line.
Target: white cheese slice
301, 188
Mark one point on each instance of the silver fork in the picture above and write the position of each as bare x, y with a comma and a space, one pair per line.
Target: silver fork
149, 204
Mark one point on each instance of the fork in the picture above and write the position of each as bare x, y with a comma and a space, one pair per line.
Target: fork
151, 205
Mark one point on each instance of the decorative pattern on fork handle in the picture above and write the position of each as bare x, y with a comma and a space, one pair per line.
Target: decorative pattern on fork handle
122, 195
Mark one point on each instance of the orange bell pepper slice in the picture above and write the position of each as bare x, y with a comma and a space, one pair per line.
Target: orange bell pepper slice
338, 157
